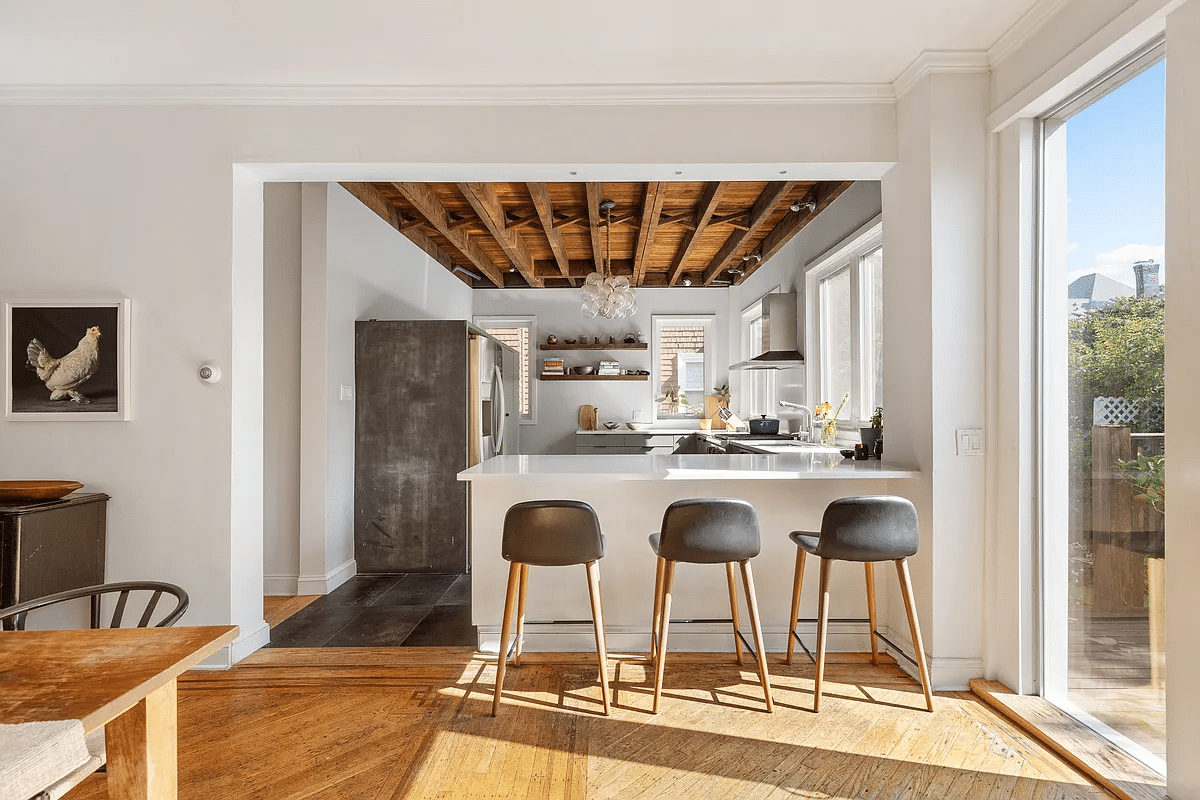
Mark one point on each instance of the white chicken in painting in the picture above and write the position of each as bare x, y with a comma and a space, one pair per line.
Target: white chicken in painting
63, 375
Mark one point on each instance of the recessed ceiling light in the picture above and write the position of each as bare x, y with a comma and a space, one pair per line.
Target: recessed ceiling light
678, 172
573, 172
783, 172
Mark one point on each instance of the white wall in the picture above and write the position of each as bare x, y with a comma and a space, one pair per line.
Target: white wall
849, 212
557, 312
281, 387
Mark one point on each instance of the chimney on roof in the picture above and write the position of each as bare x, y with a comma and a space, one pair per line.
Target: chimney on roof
1146, 274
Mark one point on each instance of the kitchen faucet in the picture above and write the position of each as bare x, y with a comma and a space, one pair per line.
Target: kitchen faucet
810, 432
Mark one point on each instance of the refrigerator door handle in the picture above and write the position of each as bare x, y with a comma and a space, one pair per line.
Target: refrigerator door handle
499, 412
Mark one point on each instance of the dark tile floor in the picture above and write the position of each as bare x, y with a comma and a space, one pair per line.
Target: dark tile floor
412, 610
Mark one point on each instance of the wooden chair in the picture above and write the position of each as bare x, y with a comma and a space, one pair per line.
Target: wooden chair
15, 617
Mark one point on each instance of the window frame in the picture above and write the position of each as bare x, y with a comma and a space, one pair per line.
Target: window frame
530, 323
851, 253
658, 321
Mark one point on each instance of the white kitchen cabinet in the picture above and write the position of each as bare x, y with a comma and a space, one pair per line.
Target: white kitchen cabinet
633, 442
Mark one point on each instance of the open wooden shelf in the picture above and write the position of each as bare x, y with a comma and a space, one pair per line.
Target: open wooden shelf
616, 346
594, 377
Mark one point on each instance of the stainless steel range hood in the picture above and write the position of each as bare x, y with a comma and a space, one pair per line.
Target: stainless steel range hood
779, 350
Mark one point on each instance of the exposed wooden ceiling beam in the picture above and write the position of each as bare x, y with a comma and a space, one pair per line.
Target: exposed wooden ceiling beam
371, 197
423, 198
563, 219
707, 205
545, 212
821, 194
594, 192
652, 203
759, 214
490, 208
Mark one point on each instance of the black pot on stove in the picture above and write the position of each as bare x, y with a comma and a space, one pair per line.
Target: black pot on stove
764, 425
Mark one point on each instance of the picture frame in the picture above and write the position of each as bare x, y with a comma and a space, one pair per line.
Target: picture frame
84, 373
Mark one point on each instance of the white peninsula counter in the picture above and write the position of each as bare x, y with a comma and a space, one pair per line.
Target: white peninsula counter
629, 494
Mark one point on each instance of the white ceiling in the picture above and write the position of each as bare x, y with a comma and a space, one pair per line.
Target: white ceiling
494, 43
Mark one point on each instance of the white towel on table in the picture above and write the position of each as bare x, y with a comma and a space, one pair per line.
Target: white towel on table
40, 757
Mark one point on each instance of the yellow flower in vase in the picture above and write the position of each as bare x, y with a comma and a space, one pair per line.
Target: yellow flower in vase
829, 420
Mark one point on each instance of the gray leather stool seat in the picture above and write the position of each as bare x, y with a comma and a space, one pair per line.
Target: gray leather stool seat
549, 533
865, 529
706, 531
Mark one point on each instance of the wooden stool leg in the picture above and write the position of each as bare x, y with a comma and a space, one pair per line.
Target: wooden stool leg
797, 582
822, 630
733, 611
510, 599
658, 580
521, 614
664, 622
759, 648
593, 576
869, 566
910, 606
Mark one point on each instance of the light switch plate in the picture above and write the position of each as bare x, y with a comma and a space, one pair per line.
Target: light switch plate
347, 392
968, 441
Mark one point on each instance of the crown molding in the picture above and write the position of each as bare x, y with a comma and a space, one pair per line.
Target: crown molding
456, 95
1023, 29
939, 61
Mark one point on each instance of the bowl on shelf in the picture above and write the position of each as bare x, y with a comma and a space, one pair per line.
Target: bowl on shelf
612, 426
847, 453
635, 426
568, 341
586, 369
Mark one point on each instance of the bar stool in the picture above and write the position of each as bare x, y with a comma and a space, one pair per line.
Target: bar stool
866, 529
549, 533
706, 531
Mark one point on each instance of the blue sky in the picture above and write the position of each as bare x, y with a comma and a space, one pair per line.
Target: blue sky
1115, 163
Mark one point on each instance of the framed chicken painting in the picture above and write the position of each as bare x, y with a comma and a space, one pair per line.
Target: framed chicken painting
67, 360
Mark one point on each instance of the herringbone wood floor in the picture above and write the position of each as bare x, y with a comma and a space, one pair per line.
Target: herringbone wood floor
414, 723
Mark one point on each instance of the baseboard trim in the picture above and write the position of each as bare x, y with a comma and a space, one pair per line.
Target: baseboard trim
324, 584
243, 646
281, 585
945, 674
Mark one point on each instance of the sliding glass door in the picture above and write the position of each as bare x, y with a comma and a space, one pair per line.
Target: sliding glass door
1103, 442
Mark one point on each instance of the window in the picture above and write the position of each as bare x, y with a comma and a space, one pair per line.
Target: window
844, 291
1100, 388
682, 365
756, 387
519, 334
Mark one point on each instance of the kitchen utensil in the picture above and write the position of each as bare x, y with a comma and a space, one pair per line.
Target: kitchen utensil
764, 425
585, 369
630, 338
588, 416
552, 339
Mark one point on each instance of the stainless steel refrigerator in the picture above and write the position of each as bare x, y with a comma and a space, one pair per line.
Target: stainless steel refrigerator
432, 397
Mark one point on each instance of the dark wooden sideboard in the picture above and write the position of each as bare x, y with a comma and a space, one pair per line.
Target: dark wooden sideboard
51, 546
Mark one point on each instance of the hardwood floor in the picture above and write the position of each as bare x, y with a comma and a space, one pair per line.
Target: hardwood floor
380, 723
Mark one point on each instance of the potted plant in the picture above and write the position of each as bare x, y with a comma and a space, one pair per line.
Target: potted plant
874, 432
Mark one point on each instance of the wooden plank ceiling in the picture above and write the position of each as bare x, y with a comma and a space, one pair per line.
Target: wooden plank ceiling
544, 235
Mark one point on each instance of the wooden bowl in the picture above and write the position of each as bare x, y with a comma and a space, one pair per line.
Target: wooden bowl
25, 491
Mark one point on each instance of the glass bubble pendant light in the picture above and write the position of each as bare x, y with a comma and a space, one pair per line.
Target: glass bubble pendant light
602, 294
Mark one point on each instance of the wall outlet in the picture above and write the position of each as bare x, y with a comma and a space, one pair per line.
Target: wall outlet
347, 392
968, 441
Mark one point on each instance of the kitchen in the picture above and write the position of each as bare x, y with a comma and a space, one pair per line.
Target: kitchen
552, 426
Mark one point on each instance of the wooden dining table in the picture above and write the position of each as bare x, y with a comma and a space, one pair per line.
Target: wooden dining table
121, 679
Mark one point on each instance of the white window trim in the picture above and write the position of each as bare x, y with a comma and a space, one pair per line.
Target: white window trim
531, 377
846, 253
708, 322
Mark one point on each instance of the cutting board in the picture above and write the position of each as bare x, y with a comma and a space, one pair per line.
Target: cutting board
589, 418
